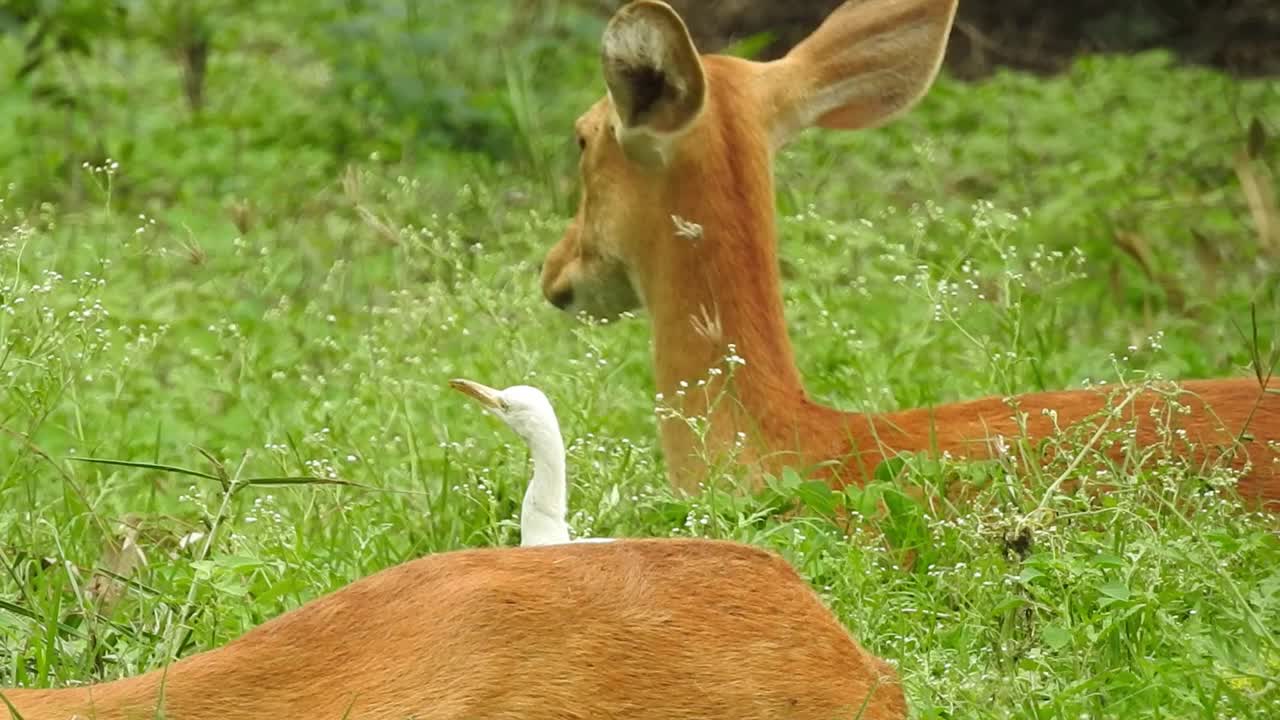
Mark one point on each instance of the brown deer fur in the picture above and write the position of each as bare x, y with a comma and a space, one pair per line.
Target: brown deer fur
683, 138
657, 629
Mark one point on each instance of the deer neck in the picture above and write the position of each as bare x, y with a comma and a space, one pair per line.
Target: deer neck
720, 346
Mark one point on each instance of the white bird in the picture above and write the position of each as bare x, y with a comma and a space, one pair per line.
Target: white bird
529, 413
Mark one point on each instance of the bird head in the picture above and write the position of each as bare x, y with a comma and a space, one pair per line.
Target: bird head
525, 409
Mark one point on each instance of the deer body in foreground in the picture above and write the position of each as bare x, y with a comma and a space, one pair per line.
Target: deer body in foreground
688, 140
639, 629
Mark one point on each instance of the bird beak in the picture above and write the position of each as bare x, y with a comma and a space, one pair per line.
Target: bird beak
483, 394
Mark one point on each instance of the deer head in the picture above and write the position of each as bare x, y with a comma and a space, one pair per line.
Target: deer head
683, 140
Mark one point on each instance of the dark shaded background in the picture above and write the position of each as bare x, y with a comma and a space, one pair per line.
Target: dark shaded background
1239, 36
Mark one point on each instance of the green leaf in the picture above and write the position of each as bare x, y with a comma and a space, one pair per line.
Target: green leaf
1009, 603
863, 500
1029, 573
870, 500
790, 479
203, 569
1108, 560
302, 480
749, 48
1115, 589
1055, 636
818, 496
148, 466
905, 525
889, 469
23, 612
237, 562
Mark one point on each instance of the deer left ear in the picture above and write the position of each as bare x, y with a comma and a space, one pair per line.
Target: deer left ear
653, 72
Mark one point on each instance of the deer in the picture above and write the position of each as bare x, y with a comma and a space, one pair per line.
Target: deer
676, 217
648, 629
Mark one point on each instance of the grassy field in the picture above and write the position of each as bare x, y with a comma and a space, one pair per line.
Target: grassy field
281, 284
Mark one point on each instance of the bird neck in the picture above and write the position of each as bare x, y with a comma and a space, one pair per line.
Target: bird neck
545, 501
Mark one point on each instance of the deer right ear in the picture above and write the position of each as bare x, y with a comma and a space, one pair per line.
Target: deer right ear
653, 72
869, 61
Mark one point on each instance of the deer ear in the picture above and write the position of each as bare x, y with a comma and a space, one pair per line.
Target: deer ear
868, 62
653, 71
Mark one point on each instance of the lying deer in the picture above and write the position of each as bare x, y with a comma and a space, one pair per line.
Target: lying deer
677, 217
640, 629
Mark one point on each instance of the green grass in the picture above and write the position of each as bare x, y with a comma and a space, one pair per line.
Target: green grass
310, 332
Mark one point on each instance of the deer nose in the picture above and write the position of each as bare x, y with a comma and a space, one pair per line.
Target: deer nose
562, 298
